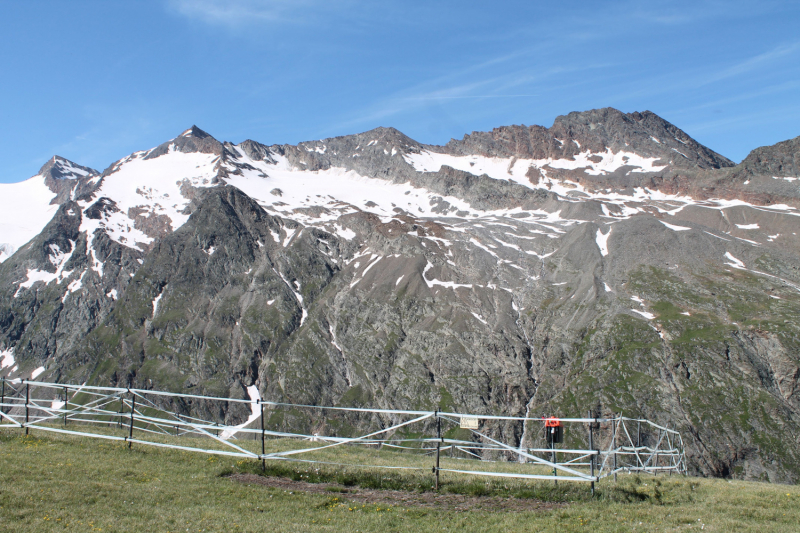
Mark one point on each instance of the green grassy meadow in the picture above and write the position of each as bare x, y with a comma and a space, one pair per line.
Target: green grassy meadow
51, 482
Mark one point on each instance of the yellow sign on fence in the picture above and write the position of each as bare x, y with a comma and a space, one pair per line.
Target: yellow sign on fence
469, 422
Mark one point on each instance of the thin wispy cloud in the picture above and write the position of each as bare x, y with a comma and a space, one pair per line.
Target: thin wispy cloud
234, 13
671, 14
699, 78
741, 97
468, 96
489, 85
754, 63
759, 118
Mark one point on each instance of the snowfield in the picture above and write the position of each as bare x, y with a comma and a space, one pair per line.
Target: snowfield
25, 210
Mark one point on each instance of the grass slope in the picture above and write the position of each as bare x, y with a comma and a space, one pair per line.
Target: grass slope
65, 483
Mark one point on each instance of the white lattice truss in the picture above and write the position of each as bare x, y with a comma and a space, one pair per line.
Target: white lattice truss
620, 444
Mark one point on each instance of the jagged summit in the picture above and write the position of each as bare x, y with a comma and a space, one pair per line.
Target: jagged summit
383, 132
643, 131
596, 131
192, 140
381, 136
387, 136
58, 167
195, 132
255, 150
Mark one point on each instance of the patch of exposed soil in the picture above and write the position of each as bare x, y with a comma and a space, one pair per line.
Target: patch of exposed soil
396, 498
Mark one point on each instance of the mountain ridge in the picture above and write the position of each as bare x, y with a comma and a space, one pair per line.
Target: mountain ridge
599, 270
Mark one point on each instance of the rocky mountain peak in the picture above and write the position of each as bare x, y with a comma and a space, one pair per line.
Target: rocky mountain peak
597, 131
374, 140
66, 178
255, 150
644, 133
390, 136
193, 140
58, 168
781, 160
195, 132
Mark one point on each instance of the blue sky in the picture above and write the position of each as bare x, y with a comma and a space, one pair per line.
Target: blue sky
93, 81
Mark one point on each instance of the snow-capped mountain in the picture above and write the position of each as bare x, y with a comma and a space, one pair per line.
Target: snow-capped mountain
609, 261
26, 207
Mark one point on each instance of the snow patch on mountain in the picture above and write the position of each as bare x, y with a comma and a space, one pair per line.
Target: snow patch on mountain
479, 317
74, 286
675, 228
502, 168
338, 190
602, 241
156, 300
58, 259
297, 295
6, 251
735, 263
255, 412
154, 185
333, 338
6, 358
119, 228
345, 233
434, 282
25, 210
645, 314
68, 170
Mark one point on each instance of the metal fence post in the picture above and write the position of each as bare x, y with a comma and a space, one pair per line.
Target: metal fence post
130, 431
638, 433
263, 448
66, 402
3, 397
438, 446
591, 447
549, 435
617, 420
655, 463
671, 457
27, 401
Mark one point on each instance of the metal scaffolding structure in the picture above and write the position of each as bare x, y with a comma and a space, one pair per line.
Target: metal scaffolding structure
143, 417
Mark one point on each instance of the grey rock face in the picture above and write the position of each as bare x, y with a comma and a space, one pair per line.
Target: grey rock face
450, 277
72, 299
782, 159
645, 133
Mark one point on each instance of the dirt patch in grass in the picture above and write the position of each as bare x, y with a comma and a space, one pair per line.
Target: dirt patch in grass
396, 498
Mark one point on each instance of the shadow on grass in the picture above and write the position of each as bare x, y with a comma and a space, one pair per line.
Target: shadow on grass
631, 489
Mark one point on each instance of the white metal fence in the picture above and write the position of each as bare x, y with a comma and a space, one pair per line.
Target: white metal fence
148, 417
